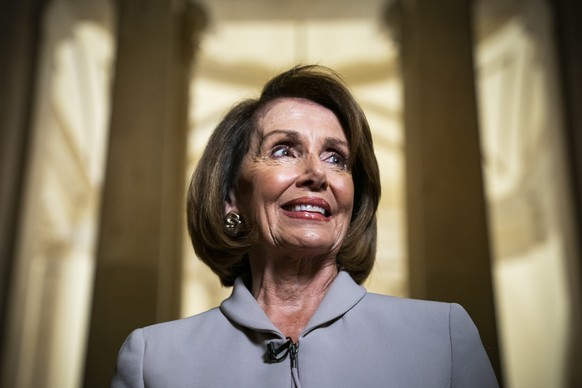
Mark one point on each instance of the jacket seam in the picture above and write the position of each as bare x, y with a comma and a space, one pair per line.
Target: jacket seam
452, 348
143, 357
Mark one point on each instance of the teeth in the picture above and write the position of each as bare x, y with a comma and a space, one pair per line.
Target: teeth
308, 208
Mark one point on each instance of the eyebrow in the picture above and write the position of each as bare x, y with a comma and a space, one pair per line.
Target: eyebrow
294, 135
336, 143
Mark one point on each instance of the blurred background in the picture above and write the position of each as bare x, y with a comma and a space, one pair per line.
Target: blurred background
105, 107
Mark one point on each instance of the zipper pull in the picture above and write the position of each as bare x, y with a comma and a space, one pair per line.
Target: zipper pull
274, 352
293, 354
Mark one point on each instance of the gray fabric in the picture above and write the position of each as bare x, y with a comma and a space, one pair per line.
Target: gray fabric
354, 339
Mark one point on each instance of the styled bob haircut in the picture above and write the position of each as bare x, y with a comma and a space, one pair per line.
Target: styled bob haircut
217, 173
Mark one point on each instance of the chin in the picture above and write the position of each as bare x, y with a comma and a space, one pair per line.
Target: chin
317, 243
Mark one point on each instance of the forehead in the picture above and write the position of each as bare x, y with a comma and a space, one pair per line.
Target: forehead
298, 114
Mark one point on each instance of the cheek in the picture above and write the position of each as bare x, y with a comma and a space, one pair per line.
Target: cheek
267, 184
345, 193
276, 179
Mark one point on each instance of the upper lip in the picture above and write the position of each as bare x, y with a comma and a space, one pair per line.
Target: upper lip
310, 201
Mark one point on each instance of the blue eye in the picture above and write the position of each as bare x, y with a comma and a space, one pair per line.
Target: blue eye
281, 151
337, 159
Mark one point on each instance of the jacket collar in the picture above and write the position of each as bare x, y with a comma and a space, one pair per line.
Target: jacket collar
242, 308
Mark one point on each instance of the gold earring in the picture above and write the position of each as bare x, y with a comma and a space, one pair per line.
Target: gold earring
232, 223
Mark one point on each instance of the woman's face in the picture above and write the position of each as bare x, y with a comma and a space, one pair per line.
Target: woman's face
295, 183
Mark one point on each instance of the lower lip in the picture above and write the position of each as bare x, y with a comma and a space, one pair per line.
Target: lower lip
306, 215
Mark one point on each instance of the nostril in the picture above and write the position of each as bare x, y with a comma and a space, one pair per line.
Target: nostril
314, 175
314, 184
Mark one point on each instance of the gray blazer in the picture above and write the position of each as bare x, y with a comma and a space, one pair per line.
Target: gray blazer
354, 339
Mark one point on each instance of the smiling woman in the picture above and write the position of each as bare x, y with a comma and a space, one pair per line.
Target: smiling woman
283, 206
303, 116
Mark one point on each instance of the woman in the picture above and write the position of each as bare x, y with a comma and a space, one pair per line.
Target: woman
282, 207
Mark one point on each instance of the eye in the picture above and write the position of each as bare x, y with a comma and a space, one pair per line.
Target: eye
282, 151
336, 159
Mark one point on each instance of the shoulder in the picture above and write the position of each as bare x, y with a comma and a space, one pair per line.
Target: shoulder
416, 313
150, 348
421, 317
174, 352
178, 330
406, 306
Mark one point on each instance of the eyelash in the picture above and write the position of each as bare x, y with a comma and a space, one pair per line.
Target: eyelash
281, 147
340, 159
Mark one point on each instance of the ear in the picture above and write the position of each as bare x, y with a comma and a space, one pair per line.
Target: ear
231, 204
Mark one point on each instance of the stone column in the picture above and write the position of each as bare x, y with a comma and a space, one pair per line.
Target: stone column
139, 258
19, 46
569, 29
449, 254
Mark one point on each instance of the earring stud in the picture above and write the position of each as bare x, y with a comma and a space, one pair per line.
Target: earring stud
232, 223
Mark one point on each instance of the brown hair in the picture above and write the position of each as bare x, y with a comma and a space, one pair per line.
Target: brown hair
217, 172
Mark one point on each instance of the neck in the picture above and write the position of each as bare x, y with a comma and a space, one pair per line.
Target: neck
289, 290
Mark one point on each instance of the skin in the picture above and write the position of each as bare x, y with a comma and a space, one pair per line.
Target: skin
297, 169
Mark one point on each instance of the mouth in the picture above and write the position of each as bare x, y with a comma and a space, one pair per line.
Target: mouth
310, 205
305, 208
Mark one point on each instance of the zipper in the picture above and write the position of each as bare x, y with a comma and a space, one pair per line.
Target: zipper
293, 354
293, 349
278, 354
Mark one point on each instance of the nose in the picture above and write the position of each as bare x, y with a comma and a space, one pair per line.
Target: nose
314, 174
